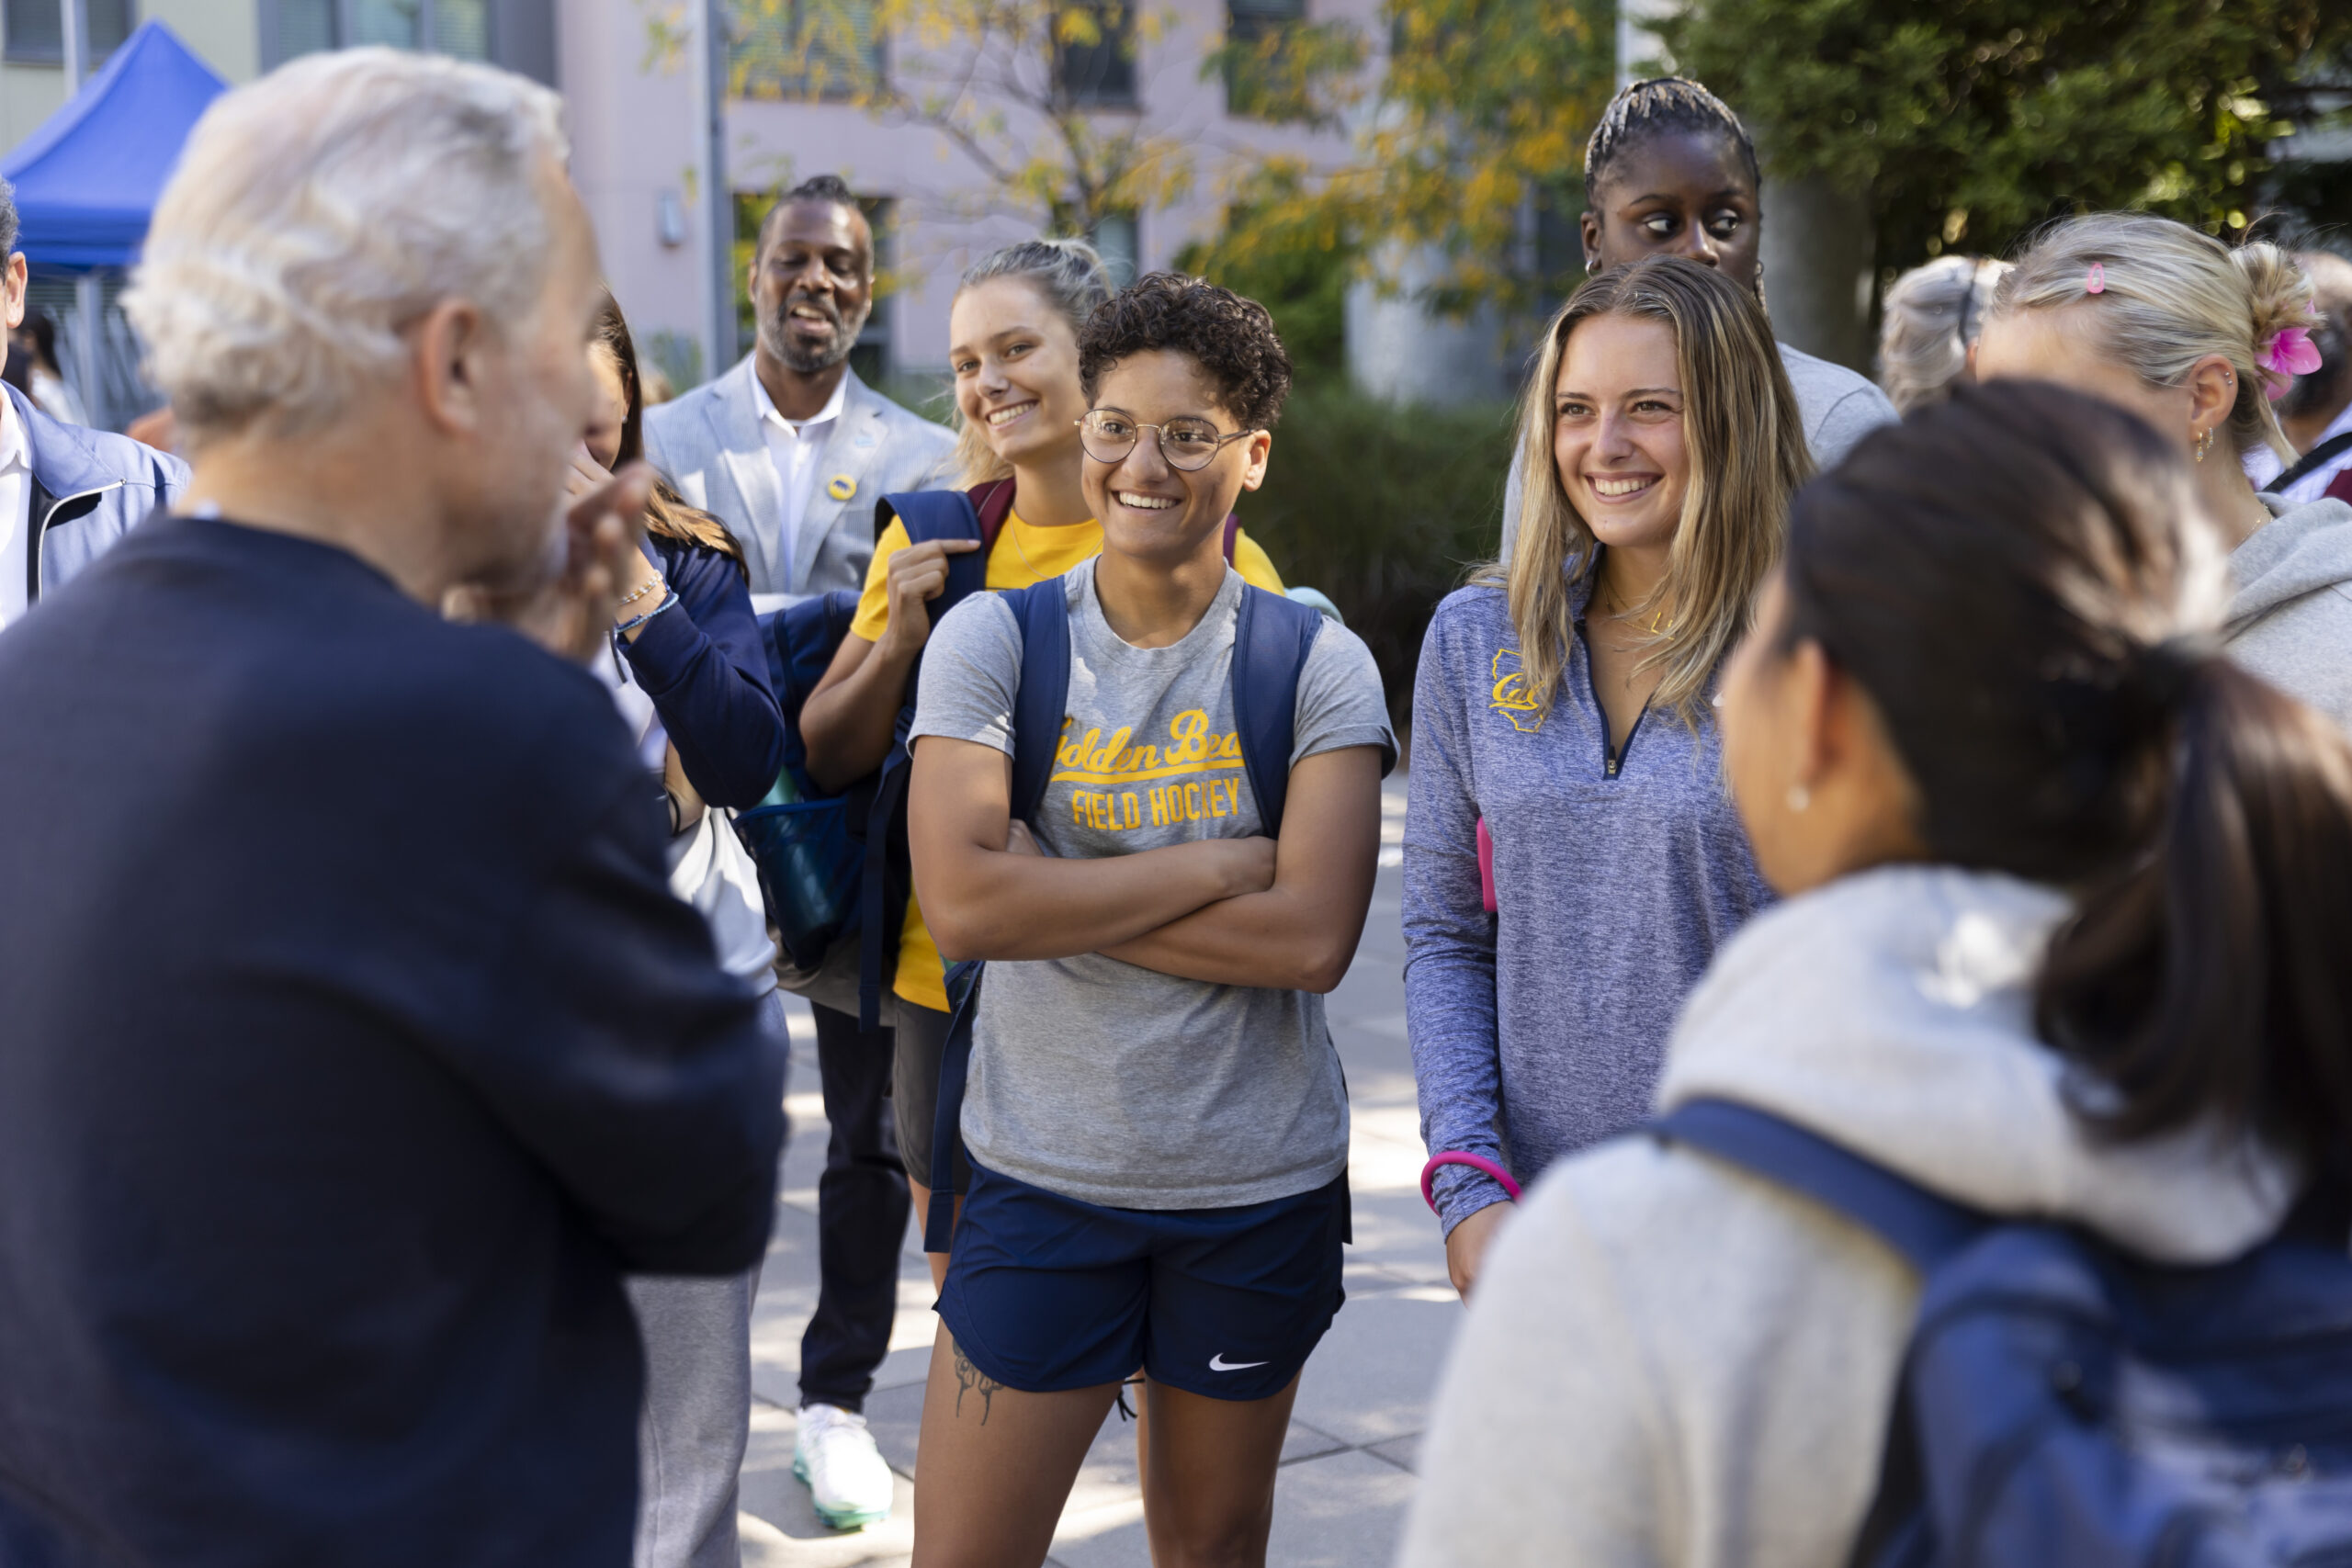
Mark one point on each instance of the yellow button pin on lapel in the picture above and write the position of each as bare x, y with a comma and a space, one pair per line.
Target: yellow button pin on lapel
840, 487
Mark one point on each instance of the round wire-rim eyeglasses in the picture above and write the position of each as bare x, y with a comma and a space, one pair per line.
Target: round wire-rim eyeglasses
1106, 447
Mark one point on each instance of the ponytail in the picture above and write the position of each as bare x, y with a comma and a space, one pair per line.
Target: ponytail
2209, 978
2023, 580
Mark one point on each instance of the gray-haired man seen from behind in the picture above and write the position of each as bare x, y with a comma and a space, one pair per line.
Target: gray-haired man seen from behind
66, 493
352, 1045
791, 450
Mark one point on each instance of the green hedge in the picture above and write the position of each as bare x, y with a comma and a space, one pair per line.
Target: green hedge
1383, 508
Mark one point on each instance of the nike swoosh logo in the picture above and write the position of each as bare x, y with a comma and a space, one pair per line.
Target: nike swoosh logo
1217, 1363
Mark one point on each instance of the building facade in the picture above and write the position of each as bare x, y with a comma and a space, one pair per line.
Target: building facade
634, 105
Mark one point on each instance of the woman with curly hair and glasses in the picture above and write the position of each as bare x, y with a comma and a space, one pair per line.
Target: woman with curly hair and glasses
1155, 1118
1571, 860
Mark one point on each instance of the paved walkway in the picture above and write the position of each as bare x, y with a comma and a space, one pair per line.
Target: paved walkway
1348, 1464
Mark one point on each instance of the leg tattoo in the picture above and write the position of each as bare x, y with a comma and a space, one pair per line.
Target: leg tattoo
968, 1376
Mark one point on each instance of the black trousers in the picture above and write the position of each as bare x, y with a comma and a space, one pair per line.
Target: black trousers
862, 1206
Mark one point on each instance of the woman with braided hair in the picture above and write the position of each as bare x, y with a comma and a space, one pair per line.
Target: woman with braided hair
1671, 171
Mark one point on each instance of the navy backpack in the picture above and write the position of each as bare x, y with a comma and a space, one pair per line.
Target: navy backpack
1272, 637
820, 871
2063, 1402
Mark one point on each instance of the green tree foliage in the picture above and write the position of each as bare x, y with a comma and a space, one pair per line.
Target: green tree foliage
1384, 509
1017, 86
1477, 133
1968, 121
1297, 263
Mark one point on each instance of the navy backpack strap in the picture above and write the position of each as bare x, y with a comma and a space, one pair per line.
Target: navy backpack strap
1915, 1221
1039, 707
1272, 637
929, 515
1043, 700
926, 514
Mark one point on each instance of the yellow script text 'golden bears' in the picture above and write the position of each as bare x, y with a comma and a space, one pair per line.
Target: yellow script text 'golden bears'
1191, 748
1510, 696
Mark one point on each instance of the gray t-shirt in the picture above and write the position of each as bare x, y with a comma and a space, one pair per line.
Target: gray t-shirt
1094, 1079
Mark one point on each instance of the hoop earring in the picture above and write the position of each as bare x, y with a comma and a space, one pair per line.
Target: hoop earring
2204, 445
1799, 797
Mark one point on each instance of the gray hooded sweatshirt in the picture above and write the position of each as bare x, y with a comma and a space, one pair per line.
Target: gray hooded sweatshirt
2291, 620
1668, 1360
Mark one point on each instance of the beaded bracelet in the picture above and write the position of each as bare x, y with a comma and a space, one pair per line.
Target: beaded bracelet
632, 624
656, 580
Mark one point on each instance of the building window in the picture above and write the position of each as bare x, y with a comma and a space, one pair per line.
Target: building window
1248, 25
1116, 240
1094, 57
36, 30
458, 28
804, 49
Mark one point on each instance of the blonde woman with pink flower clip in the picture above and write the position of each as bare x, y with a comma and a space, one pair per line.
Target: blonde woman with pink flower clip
2199, 338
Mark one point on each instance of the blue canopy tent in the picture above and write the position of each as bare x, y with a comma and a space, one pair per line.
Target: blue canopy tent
86, 183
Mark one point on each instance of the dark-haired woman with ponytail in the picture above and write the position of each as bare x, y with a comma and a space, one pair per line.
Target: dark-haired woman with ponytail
2065, 893
690, 677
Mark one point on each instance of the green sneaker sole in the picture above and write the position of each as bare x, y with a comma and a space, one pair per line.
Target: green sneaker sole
837, 1518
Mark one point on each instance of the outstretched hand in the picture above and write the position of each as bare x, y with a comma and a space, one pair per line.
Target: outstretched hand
568, 611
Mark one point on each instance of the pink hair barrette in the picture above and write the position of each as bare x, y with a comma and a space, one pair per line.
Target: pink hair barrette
2095, 280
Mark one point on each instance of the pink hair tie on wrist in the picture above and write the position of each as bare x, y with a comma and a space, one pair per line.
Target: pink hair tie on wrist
1475, 1162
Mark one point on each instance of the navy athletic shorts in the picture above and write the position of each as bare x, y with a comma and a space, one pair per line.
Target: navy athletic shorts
1046, 1293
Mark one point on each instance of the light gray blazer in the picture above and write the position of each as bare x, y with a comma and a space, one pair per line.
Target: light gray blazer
708, 443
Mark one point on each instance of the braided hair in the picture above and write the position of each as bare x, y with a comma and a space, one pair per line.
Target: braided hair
1644, 110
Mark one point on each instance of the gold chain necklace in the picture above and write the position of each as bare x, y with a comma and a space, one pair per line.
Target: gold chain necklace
1012, 532
1617, 612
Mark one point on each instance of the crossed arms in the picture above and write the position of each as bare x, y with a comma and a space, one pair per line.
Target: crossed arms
1284, 914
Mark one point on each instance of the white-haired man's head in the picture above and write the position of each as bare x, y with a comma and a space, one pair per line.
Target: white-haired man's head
380, 238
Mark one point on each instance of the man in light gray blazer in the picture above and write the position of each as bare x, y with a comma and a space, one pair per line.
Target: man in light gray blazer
791, 451
789, 448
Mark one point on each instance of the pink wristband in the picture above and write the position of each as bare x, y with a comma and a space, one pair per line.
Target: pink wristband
1475, 1162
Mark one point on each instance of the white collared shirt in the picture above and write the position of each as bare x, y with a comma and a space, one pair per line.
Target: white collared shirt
792, 445
2263, 467
15, 512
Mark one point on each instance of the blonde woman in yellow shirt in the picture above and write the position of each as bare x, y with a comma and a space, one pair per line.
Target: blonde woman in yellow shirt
1014, 328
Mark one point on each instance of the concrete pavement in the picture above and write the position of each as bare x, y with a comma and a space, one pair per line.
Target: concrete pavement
1348, 1464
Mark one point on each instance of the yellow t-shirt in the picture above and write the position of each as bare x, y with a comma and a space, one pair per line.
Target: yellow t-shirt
1024, 553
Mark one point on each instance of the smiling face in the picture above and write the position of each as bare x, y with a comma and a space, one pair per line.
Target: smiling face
1678, 193
1617, 439
1015, 359
812, 283
1149, 509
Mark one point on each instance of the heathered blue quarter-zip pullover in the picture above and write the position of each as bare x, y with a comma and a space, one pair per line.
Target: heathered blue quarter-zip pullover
1540, 1029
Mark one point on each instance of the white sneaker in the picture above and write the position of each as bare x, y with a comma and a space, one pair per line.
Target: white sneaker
835, 1456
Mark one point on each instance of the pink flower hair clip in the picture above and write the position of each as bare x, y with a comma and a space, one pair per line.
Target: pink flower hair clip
2095, 280
2291, 353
